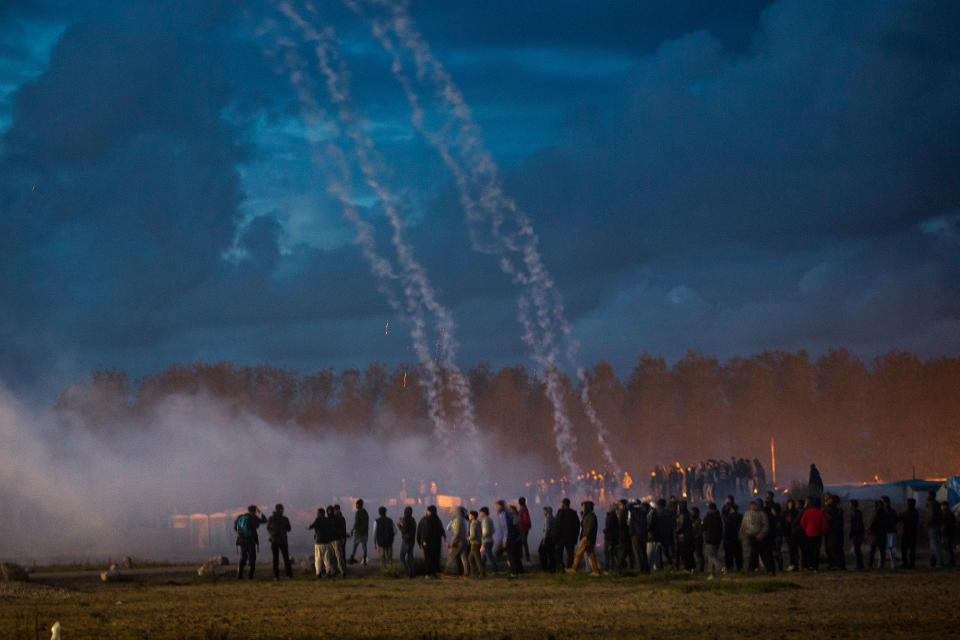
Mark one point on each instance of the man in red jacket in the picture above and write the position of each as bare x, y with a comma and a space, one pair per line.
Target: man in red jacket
814, 525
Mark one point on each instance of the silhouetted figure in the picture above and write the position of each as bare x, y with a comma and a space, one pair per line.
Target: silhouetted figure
248, 541
384, 532
931, 520
815, 484
360, 532
548, 544
790, 524
278, 525
525, 525
814, 523
910, 520
948, 533
430, 537
857, 532
408, 539
588, 540
834, 542
732, 548
322, 551
568, 531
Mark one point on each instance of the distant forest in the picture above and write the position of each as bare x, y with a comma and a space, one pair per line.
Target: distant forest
856, 420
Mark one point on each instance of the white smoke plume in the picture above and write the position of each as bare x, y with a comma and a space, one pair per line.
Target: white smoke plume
513, 239
72, 490
419, 295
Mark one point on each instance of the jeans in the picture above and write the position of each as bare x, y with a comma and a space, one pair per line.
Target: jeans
386, 556
278, 549
892, 549
248, 553
488, 556
359, 542
655, 555
936, 553
406, 556
711, 559
609, 556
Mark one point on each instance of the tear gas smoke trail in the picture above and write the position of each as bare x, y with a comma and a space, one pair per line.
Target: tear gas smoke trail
541, 343
381, 268
417, 289
482, 175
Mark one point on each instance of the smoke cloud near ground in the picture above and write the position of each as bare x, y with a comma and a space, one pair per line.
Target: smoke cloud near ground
75, 490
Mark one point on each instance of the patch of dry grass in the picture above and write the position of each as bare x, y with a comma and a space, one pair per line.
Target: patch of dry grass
875, 604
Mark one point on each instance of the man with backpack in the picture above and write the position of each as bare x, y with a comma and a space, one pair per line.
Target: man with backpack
383, 534
277, 526
248, 541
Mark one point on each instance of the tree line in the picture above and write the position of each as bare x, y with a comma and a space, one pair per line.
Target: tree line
888, 418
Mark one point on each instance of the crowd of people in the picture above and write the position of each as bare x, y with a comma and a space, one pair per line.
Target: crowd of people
704, 481
637, 536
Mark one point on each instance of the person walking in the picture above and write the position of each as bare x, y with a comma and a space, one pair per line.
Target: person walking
408, 539
475, 538
514, 546
525, 525
359, 532
588, 540
278, 525
248, 541
457, 560
488, 532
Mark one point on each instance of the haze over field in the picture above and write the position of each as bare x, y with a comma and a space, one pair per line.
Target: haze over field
593, 237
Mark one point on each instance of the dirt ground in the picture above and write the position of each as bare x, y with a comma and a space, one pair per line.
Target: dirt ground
875, 604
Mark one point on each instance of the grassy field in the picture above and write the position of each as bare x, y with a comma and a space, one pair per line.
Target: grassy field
877, 604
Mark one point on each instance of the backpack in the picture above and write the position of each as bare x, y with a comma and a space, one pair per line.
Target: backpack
243, 526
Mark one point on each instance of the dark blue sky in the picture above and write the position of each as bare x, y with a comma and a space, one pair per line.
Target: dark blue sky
721, 177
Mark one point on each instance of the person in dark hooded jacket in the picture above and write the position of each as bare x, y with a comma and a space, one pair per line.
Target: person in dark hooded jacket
430, 535
815, 484
712, 539
910, 519
588, 540
611, 538
732, 547
408, 539
857, 532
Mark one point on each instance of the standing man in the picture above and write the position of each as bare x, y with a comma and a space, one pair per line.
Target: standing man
568, 530
908, 537
248, 541
931, 521
383, 533
611, 534
360, 531
732, 548
277, 526
548, 545
712, 538
835, 556
340, 539
430, 537
408, 538
857, 532
525, 525
753, 530
322, 553
815, 484
588, 540
891, 518
948, 533
637, 527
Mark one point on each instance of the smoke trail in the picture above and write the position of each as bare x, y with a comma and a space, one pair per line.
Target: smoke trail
418, 292
476, 175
